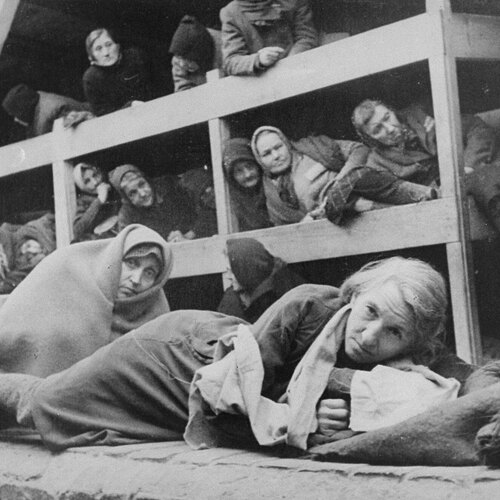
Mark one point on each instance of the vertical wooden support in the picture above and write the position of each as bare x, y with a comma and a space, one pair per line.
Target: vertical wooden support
64, 191
219, 133
443, 74
8, 10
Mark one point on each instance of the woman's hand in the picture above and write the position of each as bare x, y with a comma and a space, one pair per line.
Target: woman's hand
103, 191
333, 416
269, 55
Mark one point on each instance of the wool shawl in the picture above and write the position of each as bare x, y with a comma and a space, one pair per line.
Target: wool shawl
66, 309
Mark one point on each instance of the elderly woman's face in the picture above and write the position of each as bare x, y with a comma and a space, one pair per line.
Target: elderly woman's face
91, 179
385, 127
105, 51
139, 192
138, 275
380, 326
273, 152
246, 173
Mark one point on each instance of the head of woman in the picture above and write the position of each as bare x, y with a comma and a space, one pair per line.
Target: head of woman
272, 150
240, 165
102, 49
142, 267
133, 186
398, 309
88, 177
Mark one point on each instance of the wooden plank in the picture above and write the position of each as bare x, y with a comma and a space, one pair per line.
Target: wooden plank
8, 10
376, 231
322, 67
443, 74
64, 192
475, 37
26, 155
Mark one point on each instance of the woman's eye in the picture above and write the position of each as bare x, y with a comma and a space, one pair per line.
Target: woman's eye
396, 332
371, 310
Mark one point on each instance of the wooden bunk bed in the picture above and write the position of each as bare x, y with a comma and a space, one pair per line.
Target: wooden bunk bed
437, 36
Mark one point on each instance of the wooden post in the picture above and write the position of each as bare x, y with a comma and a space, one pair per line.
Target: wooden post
443, 73
219, 134
8, 10
64, 191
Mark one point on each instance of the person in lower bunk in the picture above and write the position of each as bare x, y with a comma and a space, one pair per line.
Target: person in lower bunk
23, 247
80, 298
403, 142
257, 279
159, 203
178, 374
96, 212
318, 177
244, 177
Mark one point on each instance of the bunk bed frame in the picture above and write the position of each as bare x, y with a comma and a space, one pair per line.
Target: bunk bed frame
437, 36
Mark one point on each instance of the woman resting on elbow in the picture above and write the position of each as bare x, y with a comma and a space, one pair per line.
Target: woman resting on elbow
93, 204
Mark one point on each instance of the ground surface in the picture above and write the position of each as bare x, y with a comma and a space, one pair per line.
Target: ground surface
173, 471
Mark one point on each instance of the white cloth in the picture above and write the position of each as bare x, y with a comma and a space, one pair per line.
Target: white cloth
233, 384
385, 395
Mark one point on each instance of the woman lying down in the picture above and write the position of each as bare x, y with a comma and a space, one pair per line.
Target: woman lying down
302, 373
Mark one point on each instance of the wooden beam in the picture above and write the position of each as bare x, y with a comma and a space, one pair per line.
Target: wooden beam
391, 46
26, 155
8, 10
367, 233
475, 37
443, 74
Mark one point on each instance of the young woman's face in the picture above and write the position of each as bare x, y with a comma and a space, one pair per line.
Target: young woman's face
91, 179
105, 51
246, 173
274, 153
380, 326
139, 192
138, 275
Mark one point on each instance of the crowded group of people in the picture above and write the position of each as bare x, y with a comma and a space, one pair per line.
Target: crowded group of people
97, 357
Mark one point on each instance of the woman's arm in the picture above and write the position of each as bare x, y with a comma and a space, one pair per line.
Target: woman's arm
305, 36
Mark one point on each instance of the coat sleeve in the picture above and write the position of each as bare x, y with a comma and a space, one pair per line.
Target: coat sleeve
285, 330
305, 36
85, 217
96, 94
480, 141
355, 155
236, 56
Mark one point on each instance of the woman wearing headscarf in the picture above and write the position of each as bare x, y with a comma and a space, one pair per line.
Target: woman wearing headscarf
244, 177
24, 247
93, 204
160, 203
81, 298
322, 177
117, 78
258, 279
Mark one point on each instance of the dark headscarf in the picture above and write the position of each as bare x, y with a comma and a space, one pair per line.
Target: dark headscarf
235, 150
20, 102
250, 262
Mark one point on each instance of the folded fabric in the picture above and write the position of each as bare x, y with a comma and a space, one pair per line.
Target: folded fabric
385, 396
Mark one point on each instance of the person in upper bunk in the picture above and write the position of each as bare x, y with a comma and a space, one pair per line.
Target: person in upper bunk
244, 176
258, 33
404, 142
219, 381
195, 50
258, 279
95, 215
319, 177
82, 297
198, 184
23, 247
117, 78
160, 203
37, 110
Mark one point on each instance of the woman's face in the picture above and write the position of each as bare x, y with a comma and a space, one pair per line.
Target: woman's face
32, 252
380, 326
139, 192
138, 275
187, 64
91, 179
105, 51
246, 173
274, 153
232, 280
